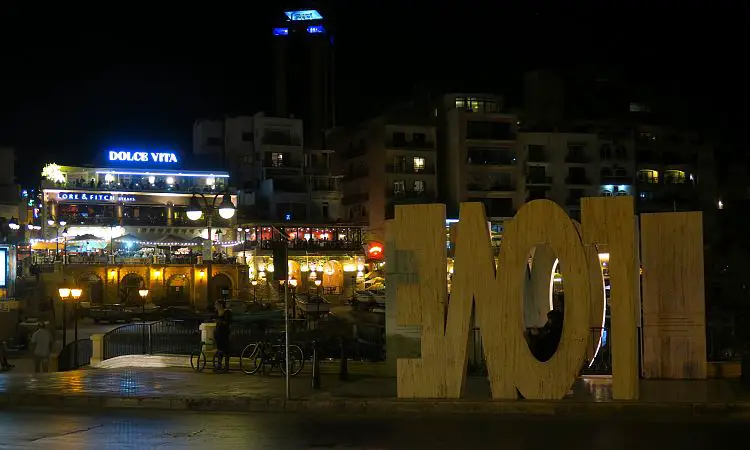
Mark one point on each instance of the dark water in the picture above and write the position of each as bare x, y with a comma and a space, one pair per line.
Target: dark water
147, 429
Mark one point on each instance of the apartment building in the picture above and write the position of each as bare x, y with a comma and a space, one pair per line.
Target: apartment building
278, 176
387, 161
478, 158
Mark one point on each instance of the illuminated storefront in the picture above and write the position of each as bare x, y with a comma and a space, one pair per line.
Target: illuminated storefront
142, 193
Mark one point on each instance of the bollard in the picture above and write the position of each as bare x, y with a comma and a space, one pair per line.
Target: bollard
344, 369
315, 367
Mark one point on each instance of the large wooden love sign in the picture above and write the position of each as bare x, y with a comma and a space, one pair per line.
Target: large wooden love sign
416, 270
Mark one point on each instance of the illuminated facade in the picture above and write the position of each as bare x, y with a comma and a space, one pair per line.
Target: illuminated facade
145, 194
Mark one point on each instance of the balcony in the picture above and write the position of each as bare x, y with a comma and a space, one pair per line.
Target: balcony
394, 168
411, 145
355, 173
616, 179
351, 199
538, 179
577, 158
479, 187
538, 156
578, 180
289, 186
178, 187
408, 195
281, 171
281, 139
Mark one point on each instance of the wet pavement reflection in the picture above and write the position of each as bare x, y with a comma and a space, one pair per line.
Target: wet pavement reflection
185, 430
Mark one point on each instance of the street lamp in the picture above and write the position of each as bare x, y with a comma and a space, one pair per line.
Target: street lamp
64, 295
143, 293
317, 285
226, 211
76, 294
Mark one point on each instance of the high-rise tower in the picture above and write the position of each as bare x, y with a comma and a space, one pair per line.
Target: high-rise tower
304, 72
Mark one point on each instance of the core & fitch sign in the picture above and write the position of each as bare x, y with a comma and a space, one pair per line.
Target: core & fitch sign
142, 157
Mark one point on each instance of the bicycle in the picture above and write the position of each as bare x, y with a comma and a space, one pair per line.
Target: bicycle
256, 356
198, 359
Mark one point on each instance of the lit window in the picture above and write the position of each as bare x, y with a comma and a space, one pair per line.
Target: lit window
606, 193
459, 102
170, 181
648, 176
674, 177
419, 186
419, 163
210, 181
277, 159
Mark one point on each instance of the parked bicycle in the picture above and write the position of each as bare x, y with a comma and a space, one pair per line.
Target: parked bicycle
256, 357
198, 358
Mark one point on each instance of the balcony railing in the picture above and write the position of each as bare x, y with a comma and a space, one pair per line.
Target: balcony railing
411, 145
281, 171
272, 139
617, 179
311, 246
406, 194
537, 179
579, 180
577, 158
137, 187
490, 187
392, 168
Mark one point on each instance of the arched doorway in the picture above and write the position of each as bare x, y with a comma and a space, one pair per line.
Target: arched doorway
178, 290
93, 288
333, 278
221, 287
129, 286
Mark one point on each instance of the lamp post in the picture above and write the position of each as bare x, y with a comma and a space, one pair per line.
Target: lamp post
255, 286
143, 293
76, 294
52, 223
194, 211
293, 285
65, 246
64, 295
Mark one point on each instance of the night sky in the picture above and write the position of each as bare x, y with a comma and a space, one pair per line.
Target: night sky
75, 80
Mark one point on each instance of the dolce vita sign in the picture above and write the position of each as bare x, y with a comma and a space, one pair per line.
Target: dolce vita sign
668, 245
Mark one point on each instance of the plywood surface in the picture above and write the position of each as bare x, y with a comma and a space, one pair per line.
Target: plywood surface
674, 331
608, 223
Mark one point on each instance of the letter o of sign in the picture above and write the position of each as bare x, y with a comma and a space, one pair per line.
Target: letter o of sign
540, 222
122, 156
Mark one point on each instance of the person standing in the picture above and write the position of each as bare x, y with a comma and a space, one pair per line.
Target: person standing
221, 335
41, 345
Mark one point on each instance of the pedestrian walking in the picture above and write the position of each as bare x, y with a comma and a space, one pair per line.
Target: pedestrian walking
41, 345
221, 335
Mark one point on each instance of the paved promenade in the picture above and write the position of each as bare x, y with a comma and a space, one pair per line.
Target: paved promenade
183, 389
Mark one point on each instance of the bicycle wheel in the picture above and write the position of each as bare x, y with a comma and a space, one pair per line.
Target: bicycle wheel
296, 360
251, 359
198, 360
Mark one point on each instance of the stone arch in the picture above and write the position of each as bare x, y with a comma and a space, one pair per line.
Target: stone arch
93, 287
333, 277
178, 290
219, 282
129, 285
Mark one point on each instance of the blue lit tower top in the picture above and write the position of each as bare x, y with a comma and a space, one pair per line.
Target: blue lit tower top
304, 71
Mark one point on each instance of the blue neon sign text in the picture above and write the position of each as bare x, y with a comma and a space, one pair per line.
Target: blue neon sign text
281, 31
143, 157
316, 29
306, 14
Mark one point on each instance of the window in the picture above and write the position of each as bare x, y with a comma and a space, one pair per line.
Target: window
648, 176
277, 159
213, 140
420, 139
248, 136
605, 151
674, 177
399, 137
419, 163
606, 193
399, 187
459, 102
621, 152
324, 210
419, 186
246, 159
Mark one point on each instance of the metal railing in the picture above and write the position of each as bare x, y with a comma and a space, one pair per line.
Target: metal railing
66, 360
170, 337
